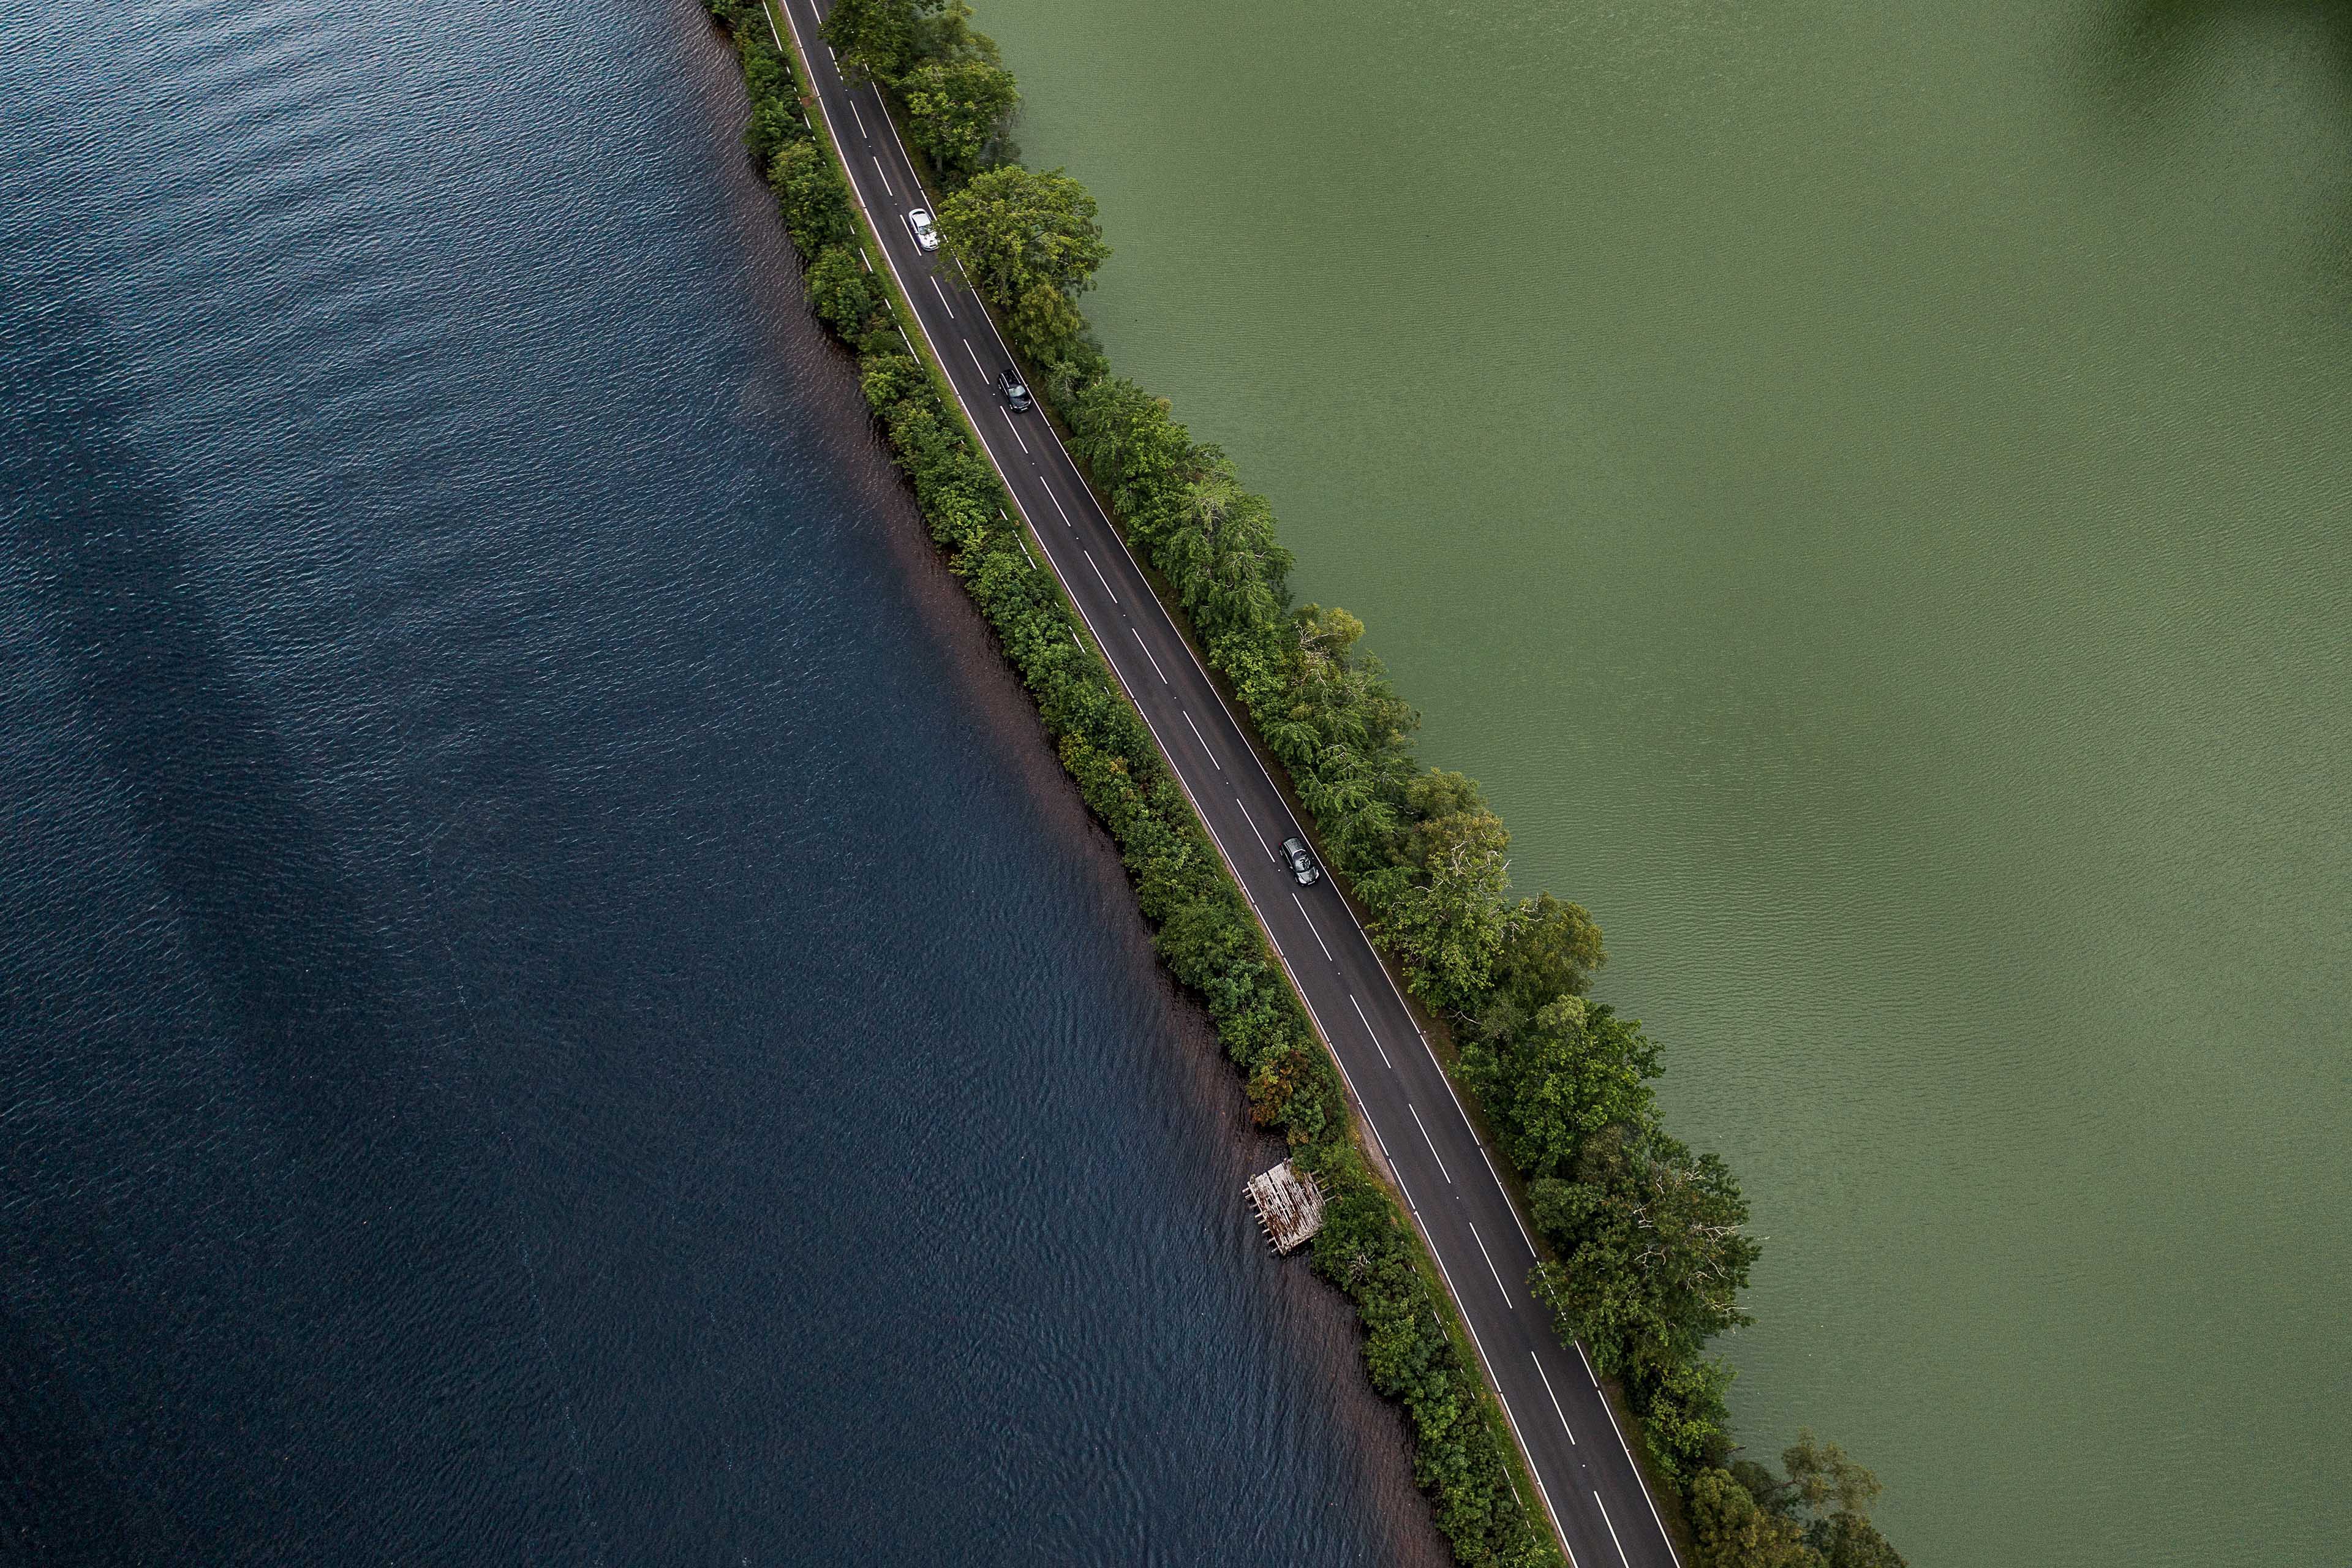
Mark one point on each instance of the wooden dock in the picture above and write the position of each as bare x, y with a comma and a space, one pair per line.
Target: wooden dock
1289, 1205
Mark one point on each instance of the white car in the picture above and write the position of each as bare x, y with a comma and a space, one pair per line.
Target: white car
926, 232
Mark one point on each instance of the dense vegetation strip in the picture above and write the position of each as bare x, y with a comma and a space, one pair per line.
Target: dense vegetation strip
1648, 1239
1203, 930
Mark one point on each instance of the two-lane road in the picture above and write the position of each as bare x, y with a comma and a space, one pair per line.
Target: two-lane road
1579, 1457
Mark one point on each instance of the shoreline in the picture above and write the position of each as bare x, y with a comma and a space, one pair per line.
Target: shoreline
1305, 1110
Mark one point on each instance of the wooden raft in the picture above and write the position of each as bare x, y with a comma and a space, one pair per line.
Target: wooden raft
1289, 1205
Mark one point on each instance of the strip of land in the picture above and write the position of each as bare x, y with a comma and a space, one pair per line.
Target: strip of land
1562, 1423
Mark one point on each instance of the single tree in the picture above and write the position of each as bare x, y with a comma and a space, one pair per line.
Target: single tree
1654, 1250
1825, 1483
872, 40
1688, 1425
1574, 1068
1029, 242
1820, 1474
1443, 905
1553, 951
809, 190
1729, 1531
1849, 1540
957, 109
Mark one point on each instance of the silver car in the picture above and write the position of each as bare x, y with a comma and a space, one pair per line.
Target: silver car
1301, 861
926, 232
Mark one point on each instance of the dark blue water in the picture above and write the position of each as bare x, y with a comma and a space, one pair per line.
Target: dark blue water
553, 1006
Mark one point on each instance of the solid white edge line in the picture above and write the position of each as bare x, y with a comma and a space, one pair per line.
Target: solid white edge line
1203, 739
1505, 1290
1155, 663
1310, 923
1434, 1155
1375, 1034
1611, 1412
1538, 1358
1461, 1110
1234, 869
1496, 1384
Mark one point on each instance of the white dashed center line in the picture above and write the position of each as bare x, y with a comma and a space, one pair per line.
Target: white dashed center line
1310, 923
1253, 827
1497, 1273
1100, 578
1613, 1531
1204, 742
1432, 1146
1556, 1410
1359, 1007
1155, 663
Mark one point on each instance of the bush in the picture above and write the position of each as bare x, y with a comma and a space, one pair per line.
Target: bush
814, 201
839, 290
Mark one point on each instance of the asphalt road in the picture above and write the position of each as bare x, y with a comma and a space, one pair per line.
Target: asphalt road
1578, 1454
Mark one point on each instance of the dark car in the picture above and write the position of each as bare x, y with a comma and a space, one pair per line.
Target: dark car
1301, 861
1016, 395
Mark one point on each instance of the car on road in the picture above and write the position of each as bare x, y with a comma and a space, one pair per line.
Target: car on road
1301, 861
1015, 391
926, 232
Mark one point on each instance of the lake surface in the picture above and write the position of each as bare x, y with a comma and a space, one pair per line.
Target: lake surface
1868, 491
553, 1006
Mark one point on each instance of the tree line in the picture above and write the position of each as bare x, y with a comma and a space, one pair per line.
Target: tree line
1202, 929
1649, 1239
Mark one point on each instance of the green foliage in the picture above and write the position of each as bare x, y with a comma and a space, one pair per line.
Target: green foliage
873, 40
1820, 1474
1730, 1530
956, 111
1030, 244
1652, 1249
1687, 1425
1442, 905
839, 290
812, 197
1553, 949
1849, 1540
1203, 930
1574, 1068
1651, 1239
1366, 1250
1826, 1494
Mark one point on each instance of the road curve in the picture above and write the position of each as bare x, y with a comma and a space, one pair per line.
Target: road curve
1580, 1461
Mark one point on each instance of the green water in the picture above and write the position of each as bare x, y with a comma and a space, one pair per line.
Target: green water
1867, 488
